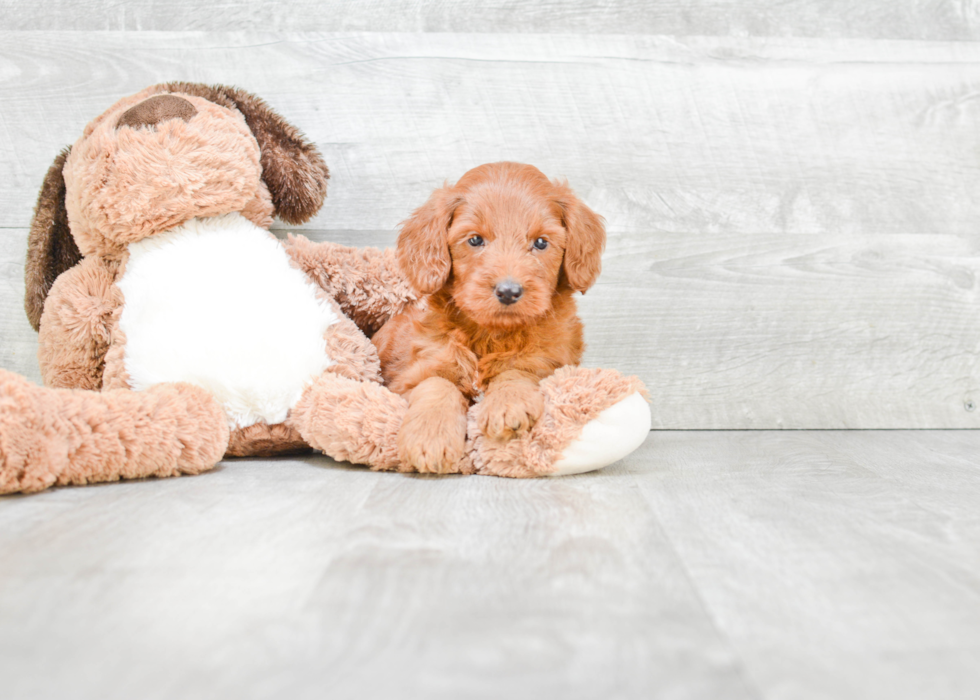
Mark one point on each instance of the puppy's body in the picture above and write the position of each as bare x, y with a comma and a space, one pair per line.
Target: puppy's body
442, 340
500, 255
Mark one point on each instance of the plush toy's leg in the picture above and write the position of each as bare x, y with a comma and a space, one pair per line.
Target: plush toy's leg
351, 420
72, 436
592, 418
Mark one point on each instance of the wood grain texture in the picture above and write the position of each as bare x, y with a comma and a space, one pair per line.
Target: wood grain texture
708, 565
304, 579
950, 20
695, 135
18, 341
806, 331
792, 222
839, 564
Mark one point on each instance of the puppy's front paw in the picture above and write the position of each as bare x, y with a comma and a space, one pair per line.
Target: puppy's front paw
430, 446
510, 410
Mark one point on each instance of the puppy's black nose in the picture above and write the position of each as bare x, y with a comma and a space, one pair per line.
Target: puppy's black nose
508, 291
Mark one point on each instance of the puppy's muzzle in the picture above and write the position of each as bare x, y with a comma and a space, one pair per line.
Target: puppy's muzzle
508, 291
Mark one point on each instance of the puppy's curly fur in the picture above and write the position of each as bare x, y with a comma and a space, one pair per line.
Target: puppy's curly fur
499, 255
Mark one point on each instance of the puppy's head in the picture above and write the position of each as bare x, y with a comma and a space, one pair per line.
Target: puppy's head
504, 241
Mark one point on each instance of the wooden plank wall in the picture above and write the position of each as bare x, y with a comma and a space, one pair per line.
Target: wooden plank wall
790, 187
933, 20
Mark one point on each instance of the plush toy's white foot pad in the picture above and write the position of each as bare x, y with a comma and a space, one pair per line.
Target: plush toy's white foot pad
608, 438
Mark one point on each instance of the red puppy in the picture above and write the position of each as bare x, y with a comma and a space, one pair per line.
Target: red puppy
499, 256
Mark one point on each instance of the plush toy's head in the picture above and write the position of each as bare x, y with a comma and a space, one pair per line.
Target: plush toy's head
154, 160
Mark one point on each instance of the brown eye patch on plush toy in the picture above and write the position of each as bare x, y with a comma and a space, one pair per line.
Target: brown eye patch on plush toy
158, 108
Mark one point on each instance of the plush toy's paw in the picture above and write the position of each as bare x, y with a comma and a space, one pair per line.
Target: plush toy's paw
592, 418
429, 445
510, 410
65, 436
351, 420
30, 456
607, 438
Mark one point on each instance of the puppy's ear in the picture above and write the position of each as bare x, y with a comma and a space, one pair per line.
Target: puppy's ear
585, 243
292, 167
51, 249
423, 244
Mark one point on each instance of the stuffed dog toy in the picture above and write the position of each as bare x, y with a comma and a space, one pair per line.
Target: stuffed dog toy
175, 329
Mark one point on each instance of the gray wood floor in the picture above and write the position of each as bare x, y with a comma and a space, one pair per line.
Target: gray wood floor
706, 565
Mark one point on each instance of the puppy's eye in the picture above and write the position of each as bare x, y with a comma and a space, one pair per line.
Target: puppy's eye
540, 243
476, 241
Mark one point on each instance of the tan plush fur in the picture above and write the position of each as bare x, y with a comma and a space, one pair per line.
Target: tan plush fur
352, 353
351, 421
112, 177
572, 397
63, 436
262, 440
115, 375
360, 422
75, 331
366, 282
292, 168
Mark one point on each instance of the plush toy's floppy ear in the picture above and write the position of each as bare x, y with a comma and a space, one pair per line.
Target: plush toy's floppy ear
585, 243
50, 247
423, 244
292, 167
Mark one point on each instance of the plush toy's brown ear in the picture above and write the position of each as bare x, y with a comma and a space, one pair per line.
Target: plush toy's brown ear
423, 244
292, 167
585, 243
50, 247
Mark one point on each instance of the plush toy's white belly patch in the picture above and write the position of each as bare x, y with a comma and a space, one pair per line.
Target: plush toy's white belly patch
216, 303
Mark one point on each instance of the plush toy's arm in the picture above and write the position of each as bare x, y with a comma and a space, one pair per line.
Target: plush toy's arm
366, 282
75, 329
